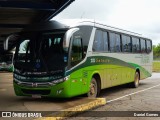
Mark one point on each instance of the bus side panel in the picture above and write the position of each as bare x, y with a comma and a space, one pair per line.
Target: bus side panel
116, 76
81, 78
76, 82
91, 71
143, 72
107, 79
127, 75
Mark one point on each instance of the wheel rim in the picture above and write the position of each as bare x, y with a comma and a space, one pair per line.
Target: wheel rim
93, 89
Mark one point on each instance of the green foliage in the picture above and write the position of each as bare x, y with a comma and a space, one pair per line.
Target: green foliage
156, 66
156, 52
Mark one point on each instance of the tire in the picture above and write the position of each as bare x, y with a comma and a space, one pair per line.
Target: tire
93, 90
135, 84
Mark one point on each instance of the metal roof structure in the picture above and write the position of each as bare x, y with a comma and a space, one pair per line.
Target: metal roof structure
17, 14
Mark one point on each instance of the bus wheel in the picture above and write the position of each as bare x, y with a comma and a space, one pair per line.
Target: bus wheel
93, 91
135, 84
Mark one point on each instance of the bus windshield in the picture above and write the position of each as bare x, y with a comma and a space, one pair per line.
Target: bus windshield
41, 52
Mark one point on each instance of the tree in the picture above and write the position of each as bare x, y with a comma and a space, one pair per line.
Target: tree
156, 51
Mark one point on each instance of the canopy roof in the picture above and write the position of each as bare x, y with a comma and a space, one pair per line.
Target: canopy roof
17, 14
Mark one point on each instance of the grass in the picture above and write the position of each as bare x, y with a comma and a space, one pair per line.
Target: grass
156, 66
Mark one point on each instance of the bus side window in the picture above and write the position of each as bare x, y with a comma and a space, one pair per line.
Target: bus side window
149, 46
118, 43
135, 45
126, 43
105, 38
77, 51
143, 46
98, 45
114, 42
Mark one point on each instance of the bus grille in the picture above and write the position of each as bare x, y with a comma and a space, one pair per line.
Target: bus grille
35, 85
39, 92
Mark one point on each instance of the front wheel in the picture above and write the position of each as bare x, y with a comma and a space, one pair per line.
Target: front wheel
93, 91
135, 84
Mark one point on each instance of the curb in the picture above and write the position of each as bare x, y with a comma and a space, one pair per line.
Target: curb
75, 110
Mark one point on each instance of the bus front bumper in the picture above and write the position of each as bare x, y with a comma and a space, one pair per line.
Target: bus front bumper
60, 90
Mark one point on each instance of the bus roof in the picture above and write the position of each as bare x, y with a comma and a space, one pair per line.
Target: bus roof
70, 23
102, 25
98, 24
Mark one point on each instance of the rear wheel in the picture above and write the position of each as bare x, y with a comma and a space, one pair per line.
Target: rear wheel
135, 84
93, 91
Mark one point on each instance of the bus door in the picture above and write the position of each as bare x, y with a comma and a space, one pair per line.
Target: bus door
76, 54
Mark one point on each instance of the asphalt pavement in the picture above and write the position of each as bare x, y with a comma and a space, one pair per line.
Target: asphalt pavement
119, 100
125, 103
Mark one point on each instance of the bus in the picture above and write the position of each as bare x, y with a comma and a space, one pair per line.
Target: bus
6, 62
65, 59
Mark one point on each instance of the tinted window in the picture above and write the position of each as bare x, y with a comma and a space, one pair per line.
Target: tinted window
126, 43
76, 54
105, 38
24, 51
23, 46
135, 45
51, 45
98, 44
85, 33
114, 42
149, 46
143, 45
39, 51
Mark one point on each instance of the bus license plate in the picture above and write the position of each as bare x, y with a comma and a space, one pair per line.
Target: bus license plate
36, 96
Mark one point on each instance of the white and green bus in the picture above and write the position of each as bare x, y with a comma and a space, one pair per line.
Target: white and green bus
60, 60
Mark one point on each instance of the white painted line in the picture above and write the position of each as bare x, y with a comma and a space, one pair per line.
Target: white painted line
132, 93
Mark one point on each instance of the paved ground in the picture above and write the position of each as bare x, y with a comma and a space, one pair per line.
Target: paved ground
10, 102
144, 99
122, 98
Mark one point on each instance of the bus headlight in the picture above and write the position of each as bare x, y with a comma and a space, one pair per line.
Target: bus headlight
61, 80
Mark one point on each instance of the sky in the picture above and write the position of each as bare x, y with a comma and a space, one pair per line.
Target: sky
140, 16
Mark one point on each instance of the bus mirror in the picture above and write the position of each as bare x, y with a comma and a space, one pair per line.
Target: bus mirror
5, 44
68, 36
10, 37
